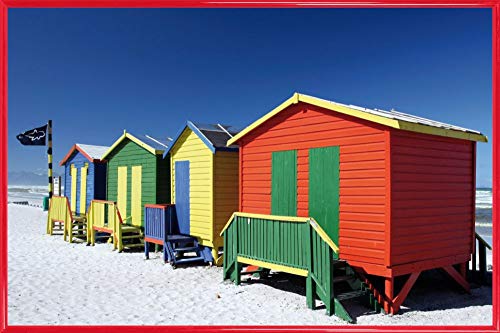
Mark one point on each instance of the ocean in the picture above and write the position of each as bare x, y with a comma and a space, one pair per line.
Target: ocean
35, 194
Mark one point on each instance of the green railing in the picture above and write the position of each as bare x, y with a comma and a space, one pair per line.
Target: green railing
294, 245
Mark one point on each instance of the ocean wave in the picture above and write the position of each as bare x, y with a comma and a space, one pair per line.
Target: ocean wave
36, 191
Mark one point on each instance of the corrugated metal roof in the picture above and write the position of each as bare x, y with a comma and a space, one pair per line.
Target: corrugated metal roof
95, 152
217, 134
393, 114
153, 142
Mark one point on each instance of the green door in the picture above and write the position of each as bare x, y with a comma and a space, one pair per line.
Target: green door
284, 183
324, 189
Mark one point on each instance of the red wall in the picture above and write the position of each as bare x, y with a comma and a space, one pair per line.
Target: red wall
433, 181
363, 172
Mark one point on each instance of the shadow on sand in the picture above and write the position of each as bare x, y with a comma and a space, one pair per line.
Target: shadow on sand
433, 291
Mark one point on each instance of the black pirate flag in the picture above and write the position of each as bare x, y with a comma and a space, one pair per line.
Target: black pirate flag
34, 137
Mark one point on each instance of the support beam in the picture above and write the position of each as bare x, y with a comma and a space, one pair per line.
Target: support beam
455, 275
396, 302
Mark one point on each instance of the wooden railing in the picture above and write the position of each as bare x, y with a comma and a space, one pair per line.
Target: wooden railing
479, 256
59, 212
158, 221
294, 245
104, 216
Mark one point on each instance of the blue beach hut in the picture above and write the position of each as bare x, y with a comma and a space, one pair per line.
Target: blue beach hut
84, 176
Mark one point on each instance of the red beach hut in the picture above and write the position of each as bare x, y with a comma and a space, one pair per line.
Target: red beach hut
393, 192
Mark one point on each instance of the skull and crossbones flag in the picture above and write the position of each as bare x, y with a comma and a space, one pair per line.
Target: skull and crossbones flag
34, 137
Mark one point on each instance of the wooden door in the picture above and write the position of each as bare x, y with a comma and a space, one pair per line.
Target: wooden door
136, 200
182, 201
74, 175
284, 183
324, 179
83, 188
121, 197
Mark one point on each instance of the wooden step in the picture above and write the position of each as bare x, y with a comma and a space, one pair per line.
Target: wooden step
185, 260
133, 245
350, 295
180, 238
132, 237
186, 249
343, 278
130, 228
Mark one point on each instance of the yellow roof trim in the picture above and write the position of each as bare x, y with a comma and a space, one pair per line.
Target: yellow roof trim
132, 138
393, 123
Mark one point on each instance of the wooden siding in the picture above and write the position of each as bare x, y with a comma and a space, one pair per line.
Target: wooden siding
190, 148
363, 172
225, 191
129, 154
432, 197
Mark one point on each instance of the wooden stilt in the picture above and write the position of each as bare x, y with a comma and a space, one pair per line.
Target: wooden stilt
455, 275
389, 293
463, 270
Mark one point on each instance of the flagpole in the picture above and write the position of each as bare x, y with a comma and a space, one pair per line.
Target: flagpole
49, 157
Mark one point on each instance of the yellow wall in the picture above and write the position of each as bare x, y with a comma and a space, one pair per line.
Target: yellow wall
225, 191
190, 148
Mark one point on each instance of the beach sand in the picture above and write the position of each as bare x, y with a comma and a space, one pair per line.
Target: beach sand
56, 283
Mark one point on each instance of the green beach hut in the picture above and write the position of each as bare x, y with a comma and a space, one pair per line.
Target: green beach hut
138, 173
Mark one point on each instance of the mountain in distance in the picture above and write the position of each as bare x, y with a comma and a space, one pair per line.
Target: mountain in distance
28, 178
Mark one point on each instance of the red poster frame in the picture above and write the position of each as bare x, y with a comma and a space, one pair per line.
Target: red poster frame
6, 4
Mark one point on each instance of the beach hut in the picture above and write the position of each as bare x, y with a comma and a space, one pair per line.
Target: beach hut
326, 188
84, 176
138, 173
204, 183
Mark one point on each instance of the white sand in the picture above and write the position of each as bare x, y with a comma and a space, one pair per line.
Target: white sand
53, 282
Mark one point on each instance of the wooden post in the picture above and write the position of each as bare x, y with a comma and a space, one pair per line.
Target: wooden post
482, 263
59, 185
49, 157
389, 294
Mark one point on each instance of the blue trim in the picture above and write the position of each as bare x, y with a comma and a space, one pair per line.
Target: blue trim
174, 141
196, 131
201, 136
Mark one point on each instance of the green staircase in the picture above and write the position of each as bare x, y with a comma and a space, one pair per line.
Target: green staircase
297, 246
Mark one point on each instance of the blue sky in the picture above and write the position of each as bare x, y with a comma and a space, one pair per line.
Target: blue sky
95, 72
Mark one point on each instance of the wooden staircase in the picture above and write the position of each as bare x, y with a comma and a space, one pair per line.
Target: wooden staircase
183, 249
130, 237
104, 217
77, 229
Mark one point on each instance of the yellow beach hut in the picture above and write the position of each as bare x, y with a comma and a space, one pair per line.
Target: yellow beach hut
204, 183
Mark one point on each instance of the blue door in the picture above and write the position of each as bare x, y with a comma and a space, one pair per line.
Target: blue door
182, 195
